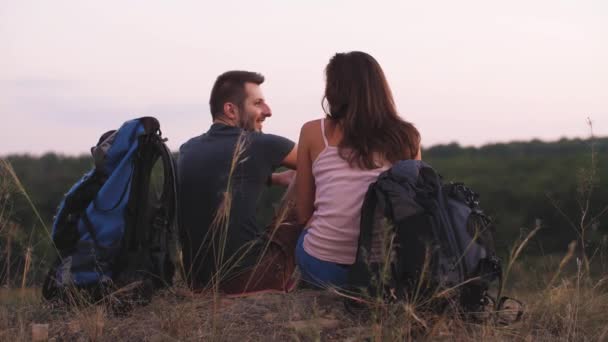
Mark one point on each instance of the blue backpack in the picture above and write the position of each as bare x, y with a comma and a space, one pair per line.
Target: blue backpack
115, 226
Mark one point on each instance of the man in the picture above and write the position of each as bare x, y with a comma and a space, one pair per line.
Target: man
221, 175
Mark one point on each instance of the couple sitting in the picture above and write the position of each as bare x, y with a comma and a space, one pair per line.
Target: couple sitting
222, 173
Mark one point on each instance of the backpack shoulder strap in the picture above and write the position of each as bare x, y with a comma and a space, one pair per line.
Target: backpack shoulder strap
367, 218
170, 178
152, 150
359, 274
374, 197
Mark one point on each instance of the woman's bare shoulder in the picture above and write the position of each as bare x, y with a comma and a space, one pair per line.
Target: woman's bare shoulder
311, 124
311, 132
311, 128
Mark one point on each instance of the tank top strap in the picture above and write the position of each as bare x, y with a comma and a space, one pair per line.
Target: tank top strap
323, 132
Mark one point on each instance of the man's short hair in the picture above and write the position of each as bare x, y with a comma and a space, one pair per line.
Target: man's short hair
230, 87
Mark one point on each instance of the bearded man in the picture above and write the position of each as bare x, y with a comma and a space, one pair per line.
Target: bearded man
221, 175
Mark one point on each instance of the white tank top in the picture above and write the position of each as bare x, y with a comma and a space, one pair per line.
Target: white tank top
333, 232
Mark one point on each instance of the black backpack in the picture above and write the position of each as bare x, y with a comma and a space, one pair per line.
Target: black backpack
422, 240
114, 230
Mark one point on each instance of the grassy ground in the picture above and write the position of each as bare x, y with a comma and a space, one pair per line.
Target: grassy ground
572, 308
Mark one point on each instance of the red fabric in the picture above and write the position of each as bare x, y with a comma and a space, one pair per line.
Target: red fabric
274, 272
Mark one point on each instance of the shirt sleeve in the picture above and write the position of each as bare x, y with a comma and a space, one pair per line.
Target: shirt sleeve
275, 148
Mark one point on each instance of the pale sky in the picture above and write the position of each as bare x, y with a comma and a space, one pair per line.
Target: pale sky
468, 71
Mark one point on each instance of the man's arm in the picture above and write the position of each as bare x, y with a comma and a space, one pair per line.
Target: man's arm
286, 177
290, 161
282, 178
275, 147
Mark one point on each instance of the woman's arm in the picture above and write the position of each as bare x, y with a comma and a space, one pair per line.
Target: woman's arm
305, 183
419, 154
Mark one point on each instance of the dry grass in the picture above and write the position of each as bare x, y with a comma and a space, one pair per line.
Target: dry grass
573, 309
563, 303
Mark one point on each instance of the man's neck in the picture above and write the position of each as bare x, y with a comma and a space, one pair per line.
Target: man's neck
224, 121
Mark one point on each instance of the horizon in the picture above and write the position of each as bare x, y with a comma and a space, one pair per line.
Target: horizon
471, 72
424, 148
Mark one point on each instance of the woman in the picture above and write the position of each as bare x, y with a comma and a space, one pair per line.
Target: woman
338, 157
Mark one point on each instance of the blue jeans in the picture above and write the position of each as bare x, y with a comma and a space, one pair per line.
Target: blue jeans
319, 272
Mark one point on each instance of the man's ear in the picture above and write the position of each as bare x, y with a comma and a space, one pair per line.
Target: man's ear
231, 111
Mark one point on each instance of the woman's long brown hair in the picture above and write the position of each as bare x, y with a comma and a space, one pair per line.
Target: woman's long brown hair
360, 101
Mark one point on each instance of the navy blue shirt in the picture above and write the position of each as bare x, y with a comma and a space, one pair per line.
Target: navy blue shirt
221, 175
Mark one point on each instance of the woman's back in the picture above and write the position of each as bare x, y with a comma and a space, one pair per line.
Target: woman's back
339, 191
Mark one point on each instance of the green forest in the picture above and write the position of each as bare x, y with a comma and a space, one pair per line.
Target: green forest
560, 186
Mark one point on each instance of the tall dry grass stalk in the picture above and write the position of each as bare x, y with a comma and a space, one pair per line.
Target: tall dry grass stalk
221, 222
219, 231
514, 254
9, 235
7, 169
563, 263
286, 205
26, 266
10, 185
7, 228
587, 183
95, 322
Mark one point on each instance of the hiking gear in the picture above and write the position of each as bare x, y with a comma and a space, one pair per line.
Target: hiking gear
115, 225
422, 239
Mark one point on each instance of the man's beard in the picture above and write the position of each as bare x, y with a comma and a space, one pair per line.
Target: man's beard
246, 121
